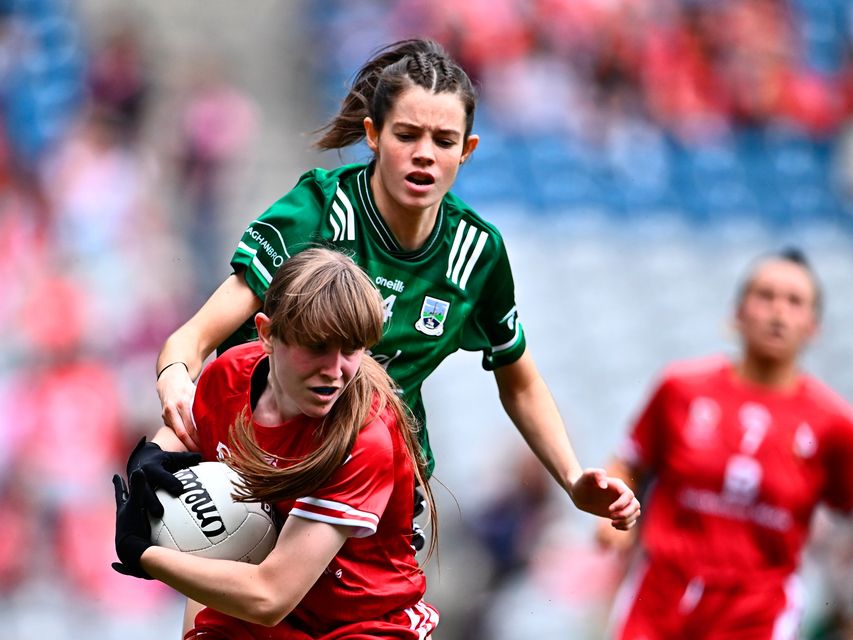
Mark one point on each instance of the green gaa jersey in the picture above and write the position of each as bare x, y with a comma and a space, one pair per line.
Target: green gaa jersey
456, 291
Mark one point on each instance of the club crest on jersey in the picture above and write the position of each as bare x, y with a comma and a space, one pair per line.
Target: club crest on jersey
433, 315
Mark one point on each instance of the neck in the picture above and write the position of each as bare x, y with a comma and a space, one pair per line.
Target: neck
411, 227
268, 411
768, 373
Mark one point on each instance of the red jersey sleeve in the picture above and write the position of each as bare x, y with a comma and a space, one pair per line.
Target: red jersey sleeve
357, 493
839, 462
644, 446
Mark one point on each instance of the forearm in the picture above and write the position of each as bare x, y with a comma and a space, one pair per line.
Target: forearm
238, 589
226, 309
166, 439
533, 411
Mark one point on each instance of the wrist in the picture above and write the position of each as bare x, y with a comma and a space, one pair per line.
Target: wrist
172, 364
572, 478
130, 550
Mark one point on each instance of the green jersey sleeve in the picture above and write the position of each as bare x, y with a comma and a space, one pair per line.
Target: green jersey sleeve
290, 225
493, 326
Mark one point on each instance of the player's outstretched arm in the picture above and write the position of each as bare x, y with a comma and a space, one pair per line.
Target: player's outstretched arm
529, 404
184, 352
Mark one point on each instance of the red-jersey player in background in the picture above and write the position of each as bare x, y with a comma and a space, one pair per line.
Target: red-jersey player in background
315, 428
735, 454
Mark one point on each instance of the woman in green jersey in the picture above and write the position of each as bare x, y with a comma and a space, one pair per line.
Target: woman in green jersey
442, 270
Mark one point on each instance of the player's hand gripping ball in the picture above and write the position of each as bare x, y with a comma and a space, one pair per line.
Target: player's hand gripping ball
206, 521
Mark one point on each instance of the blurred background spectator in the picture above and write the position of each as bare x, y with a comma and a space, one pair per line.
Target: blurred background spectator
626, 145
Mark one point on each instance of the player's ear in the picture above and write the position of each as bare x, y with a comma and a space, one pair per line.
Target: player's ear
469, 146
263, 324
371, 134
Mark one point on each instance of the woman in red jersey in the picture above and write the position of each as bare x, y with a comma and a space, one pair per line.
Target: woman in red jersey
735, 455
343, 565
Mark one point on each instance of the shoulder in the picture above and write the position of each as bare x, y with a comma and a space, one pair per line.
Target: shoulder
696, 370
691, 376
320, 185
827, 400
233, 365
328, 180
380, 434
458, 210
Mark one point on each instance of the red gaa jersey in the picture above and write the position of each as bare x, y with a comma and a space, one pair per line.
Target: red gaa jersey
737, 470
375, 571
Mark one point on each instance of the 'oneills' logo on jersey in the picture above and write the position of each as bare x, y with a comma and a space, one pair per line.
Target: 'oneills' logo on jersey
433, 315
394, 285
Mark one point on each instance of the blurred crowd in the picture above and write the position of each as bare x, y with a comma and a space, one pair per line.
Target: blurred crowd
111, 219
642, 102
107, 234
695, 69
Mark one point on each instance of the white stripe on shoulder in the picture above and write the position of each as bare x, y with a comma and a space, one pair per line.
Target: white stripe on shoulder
461, 263
478, 249
457, 239
344, 226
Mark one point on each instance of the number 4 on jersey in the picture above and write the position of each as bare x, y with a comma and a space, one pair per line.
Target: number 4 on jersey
389, 305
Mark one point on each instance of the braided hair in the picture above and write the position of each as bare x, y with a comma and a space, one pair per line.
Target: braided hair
379, 82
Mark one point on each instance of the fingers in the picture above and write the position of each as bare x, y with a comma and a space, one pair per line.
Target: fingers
152, 502
160, 473
178, 417
191, 440
626, 497
120, 490
135, 498
625, 517
625, 510
627, 523
599, 476
180, 460
169, 483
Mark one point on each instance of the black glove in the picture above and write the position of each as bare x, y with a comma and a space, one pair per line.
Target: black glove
418, 536
420, 502
158, 466
133, 531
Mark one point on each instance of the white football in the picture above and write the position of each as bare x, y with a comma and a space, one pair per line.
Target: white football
206, 521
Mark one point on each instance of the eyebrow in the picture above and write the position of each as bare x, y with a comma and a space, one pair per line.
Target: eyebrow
409, 125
